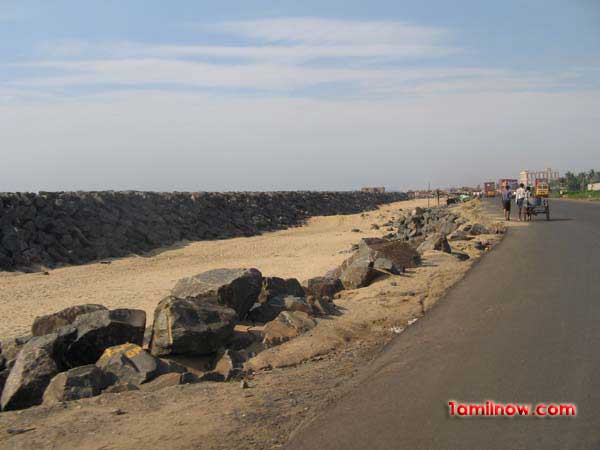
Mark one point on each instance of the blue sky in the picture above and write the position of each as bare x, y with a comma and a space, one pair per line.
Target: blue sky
198, 95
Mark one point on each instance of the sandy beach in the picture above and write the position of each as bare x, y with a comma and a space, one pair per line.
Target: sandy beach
141, 281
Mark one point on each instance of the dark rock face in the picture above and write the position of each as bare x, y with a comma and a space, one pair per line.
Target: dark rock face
54, 228
96, 331
191, 326
435, 242
273, 298
77, 344
321, 287
36, 364
235, 288
273, 287
3, 376
374, 257
131, 364
265, 312
80, 382
52, 322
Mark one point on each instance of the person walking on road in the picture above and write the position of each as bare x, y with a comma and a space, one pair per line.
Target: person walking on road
520, 196
506, 196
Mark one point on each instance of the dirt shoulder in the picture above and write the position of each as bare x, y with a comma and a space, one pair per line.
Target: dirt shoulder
306, 374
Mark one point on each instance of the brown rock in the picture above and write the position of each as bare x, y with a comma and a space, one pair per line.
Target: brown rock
358, 274
120, 387
229, 364
164, 381
435, 242
320, 287
286, 326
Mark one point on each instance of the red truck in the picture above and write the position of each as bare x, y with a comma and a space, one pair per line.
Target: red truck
489, 189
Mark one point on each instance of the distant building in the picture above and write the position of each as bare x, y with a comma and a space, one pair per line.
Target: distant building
374, 190
593, 187
528, 177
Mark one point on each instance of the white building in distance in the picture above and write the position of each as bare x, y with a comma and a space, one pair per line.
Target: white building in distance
528, 177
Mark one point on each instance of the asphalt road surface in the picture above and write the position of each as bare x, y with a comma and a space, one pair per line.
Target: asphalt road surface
522, 327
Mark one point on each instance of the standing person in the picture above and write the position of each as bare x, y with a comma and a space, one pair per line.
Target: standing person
527, 202
506, 196
520, 196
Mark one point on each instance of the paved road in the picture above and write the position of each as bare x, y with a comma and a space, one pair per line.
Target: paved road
523, 326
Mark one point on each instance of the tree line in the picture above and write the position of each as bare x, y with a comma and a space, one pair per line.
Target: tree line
577, 182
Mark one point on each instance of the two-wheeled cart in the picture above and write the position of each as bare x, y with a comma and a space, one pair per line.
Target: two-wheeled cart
538, 205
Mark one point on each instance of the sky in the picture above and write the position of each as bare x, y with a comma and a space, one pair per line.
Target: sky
194, 95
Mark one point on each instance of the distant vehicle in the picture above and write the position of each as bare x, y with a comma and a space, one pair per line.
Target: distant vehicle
489, 189
542, 188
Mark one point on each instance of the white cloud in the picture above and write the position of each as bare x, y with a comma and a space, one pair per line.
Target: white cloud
285, 39
269, 77
324, 32
281, 56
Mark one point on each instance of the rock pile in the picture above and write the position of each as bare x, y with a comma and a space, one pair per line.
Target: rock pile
75, 227
85, 350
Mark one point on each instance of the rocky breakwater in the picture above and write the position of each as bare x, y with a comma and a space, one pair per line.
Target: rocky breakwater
50, 229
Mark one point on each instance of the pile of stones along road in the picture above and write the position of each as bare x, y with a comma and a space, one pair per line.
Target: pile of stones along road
409, 236
435, 228
86, 350
50, 229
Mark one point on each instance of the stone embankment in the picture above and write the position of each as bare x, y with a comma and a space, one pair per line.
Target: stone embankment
51, 229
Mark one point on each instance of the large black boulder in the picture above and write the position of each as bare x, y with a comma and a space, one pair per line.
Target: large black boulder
36, 364
235, 288
275, 287
190, 326
51, 322
130, 363
79, 382
96, 331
